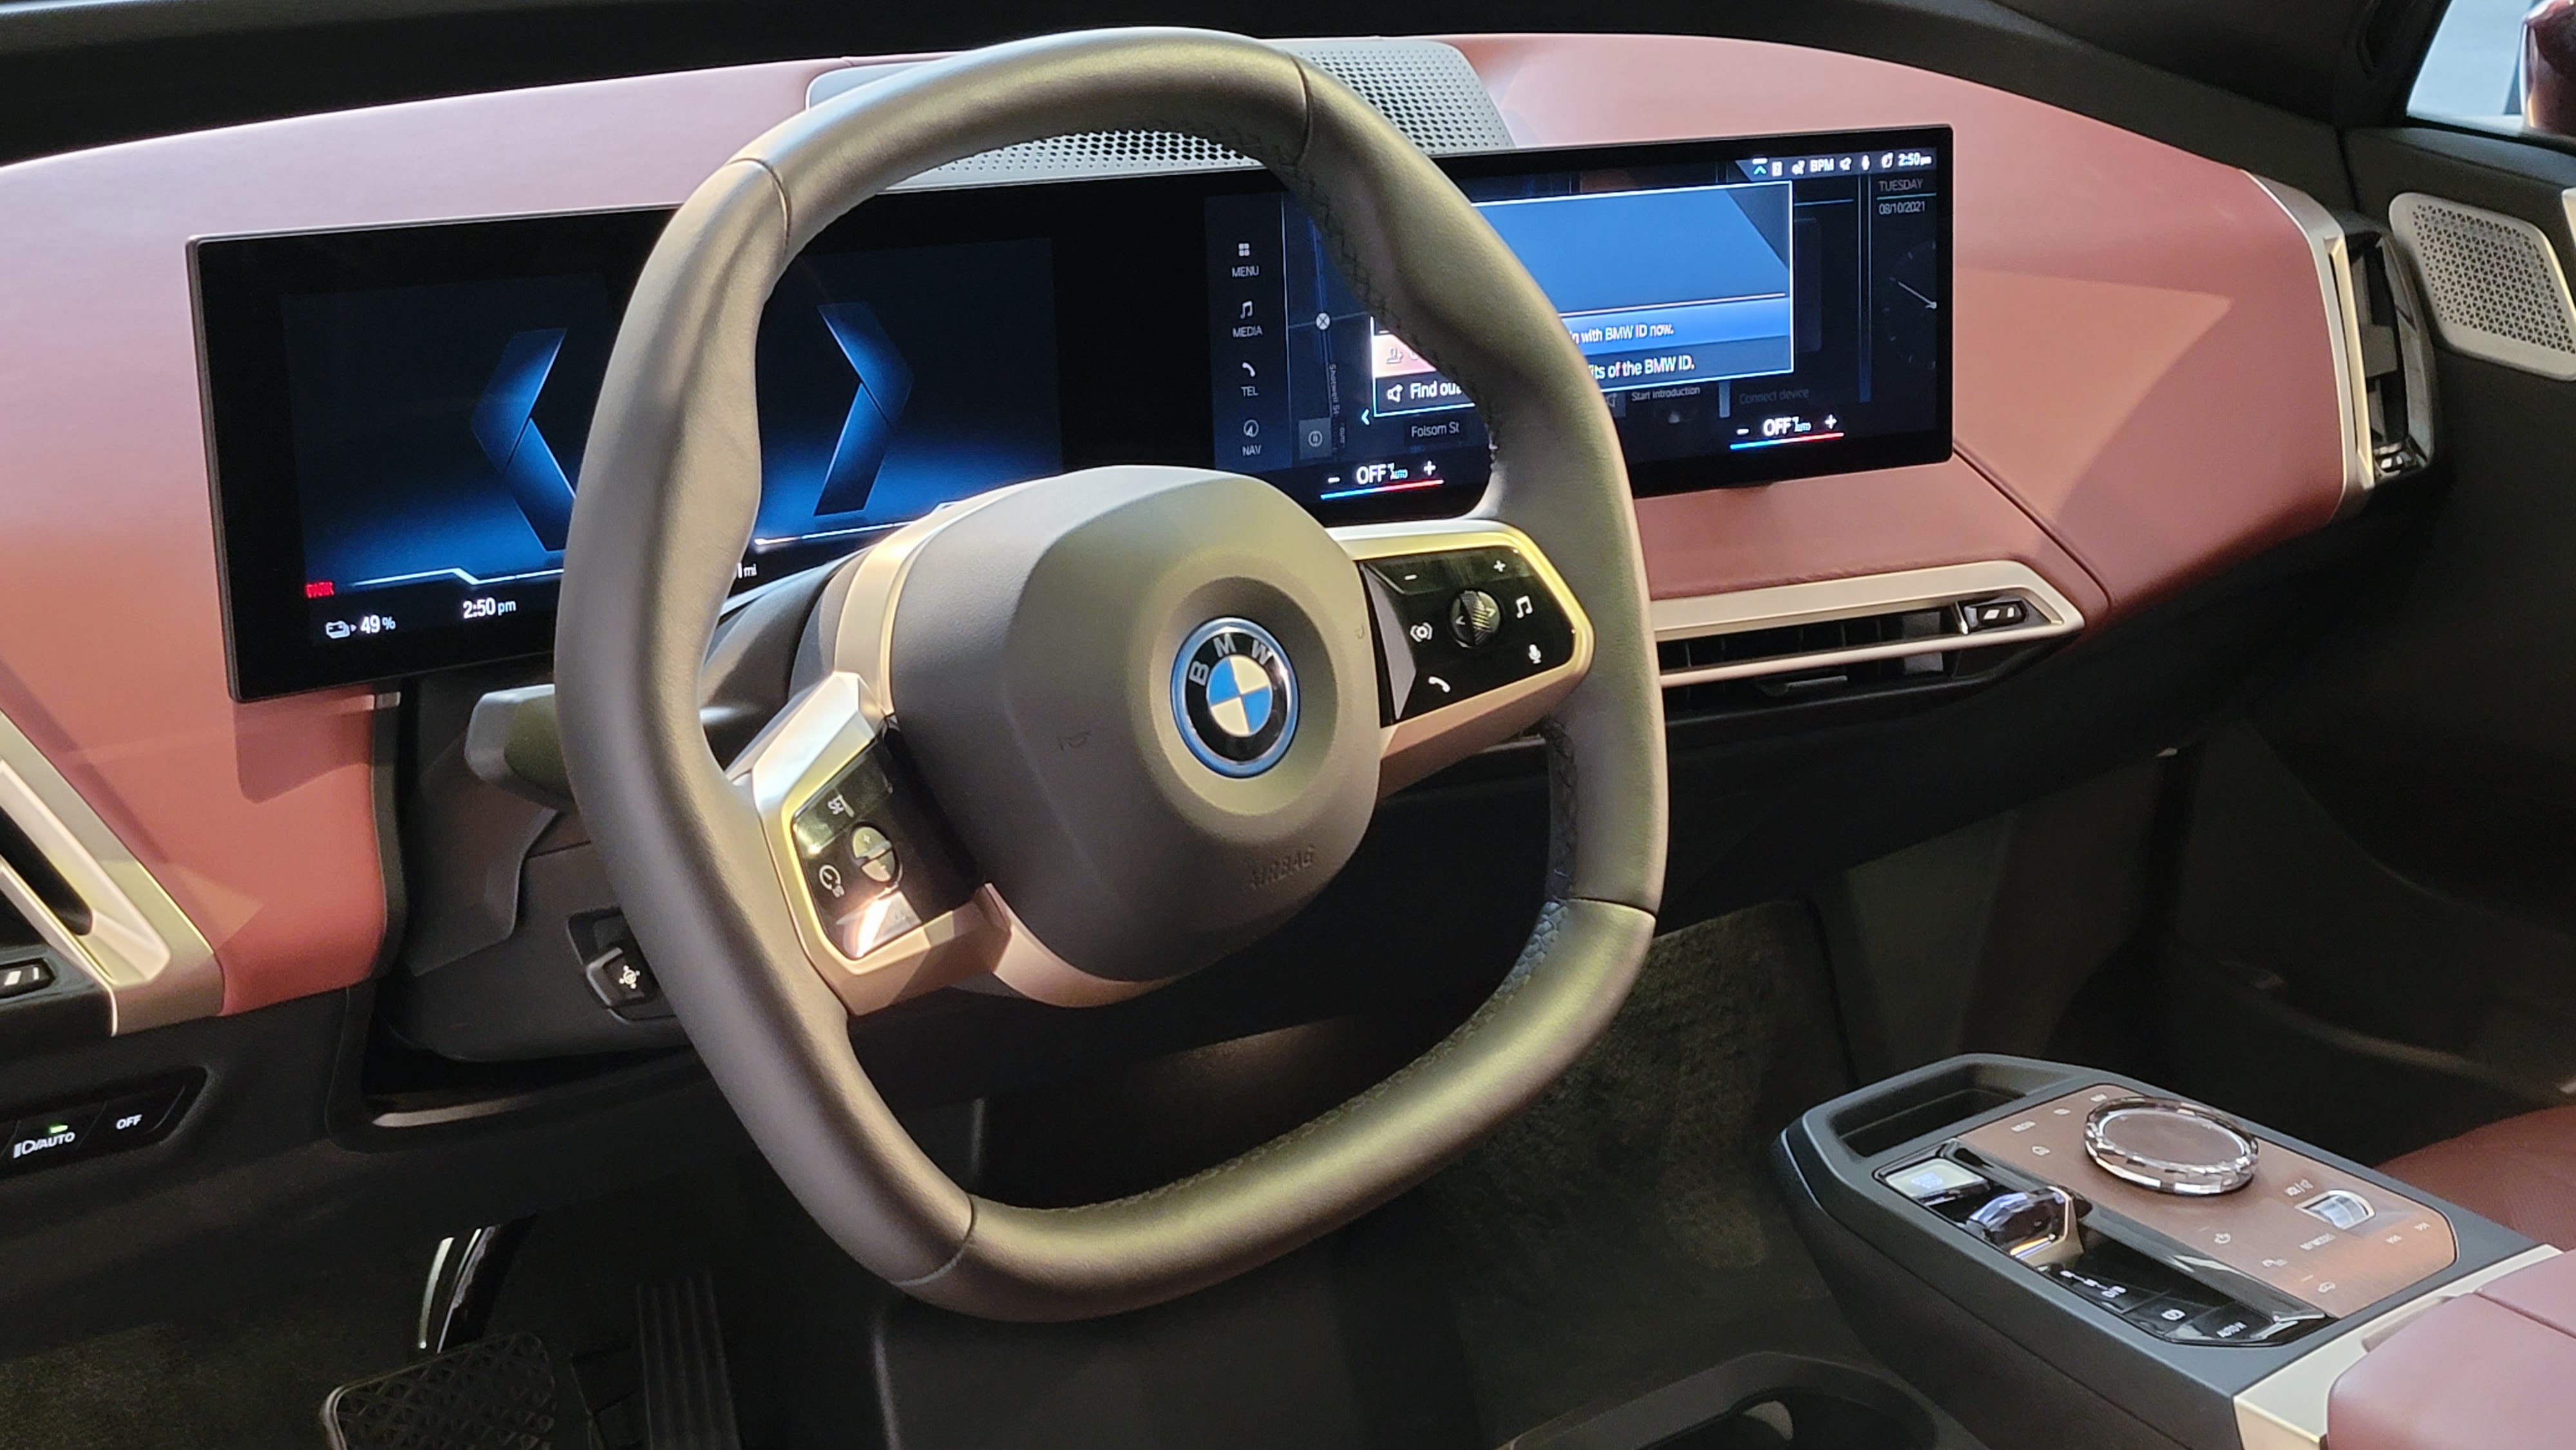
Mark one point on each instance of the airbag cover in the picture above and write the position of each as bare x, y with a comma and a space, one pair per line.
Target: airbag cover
1038, 675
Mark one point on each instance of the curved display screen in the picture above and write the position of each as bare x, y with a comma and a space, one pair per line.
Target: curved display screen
399, 414
1756, 312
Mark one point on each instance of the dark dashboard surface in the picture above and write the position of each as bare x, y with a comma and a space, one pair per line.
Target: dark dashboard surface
399, 413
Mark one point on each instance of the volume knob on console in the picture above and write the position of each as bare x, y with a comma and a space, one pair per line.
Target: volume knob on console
2170, 1147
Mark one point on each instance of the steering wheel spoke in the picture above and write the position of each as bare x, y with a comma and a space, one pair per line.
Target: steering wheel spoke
1478, 638
886, 904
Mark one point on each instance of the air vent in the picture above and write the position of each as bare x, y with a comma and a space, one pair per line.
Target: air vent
2494, 282
2374, 328
2394, 360
1849, 636
1425, 86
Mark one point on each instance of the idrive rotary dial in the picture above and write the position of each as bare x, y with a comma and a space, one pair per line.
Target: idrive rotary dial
2169, 1146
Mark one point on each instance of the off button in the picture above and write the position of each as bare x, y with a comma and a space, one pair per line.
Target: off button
133, 1118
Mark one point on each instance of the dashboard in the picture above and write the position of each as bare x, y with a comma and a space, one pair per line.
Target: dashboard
398, 414
2143, 388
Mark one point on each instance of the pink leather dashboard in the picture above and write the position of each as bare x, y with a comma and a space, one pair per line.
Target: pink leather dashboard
2145, 395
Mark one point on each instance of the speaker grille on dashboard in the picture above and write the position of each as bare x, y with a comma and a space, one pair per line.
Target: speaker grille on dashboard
2493, 282
1425, 86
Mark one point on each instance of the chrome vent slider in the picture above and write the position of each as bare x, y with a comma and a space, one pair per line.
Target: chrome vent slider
1912, 617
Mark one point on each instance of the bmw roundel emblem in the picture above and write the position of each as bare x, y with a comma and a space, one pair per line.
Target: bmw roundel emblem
1234, 696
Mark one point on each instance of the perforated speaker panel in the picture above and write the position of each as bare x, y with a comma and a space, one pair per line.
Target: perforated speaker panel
1426, 87
2493, 283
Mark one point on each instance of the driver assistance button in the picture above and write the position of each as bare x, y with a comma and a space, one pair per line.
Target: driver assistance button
873, 861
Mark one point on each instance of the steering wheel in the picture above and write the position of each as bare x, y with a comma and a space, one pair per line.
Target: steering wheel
1079, 737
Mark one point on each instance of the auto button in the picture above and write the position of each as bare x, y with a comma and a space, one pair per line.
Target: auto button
49, 1138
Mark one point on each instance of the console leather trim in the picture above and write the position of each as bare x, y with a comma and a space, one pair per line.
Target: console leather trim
2286, 1410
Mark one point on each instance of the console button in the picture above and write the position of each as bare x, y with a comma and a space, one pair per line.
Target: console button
1935, 1179
49, 1137
19, 978
2231, 1324
2167, 1315
2340, 1207
2118, 1297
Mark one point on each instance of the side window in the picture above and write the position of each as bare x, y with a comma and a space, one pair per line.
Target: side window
2501, 65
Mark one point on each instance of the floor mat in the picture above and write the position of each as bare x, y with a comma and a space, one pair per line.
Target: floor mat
1624, 1230
1620, 1233
250, 1381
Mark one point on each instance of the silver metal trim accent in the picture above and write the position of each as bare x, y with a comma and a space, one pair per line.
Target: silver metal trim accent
1426, 87
2286, 1409
151, 960
2405, 222
2164, 1175
2343, 331
1742, 611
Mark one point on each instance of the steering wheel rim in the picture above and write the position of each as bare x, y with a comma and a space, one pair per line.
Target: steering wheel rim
670, 483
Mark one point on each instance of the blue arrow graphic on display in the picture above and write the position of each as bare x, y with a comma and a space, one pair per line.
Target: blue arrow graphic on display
504, 423
885, 385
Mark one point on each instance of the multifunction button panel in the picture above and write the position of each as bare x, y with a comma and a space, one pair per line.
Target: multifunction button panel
108, 1122
1462, 623
874, 860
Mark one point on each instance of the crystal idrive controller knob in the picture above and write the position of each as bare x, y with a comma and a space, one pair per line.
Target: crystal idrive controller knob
2170, 1147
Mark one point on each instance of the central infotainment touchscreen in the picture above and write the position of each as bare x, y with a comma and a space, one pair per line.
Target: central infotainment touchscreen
399, 414
1764, 314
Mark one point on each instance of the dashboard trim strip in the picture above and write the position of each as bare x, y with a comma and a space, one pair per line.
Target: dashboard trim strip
1829, 599
142, 950
2325, 238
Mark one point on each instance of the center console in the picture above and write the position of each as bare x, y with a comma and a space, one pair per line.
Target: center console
2063, 1256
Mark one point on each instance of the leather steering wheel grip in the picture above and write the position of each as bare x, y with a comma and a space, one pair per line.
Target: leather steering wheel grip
670, 483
